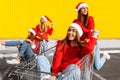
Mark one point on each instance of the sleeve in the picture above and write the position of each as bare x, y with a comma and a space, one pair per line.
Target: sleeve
91, 23
57, 60
88, 48
50, 30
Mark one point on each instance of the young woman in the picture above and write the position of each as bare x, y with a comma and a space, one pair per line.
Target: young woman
25, 49
69, 52
87, 23
43, 31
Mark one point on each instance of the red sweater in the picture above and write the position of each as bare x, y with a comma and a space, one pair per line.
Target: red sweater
70, 55
44, 35
87, 30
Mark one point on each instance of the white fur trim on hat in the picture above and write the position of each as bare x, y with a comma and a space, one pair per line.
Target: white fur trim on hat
32, 31
81, 5
44, 18
78, 28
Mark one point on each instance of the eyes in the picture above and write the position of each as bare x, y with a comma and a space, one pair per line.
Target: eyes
84, 8
72, 30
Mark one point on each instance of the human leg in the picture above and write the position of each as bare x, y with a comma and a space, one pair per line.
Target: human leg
98, 60
43, 47
72, 72
43, 65
25, 53
11, 43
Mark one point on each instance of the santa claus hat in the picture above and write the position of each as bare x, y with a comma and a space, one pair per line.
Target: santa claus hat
46, 18
78, 28
80, 5
33, 30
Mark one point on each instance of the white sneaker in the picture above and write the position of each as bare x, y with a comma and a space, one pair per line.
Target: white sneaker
107, 55
13, 61
45, 77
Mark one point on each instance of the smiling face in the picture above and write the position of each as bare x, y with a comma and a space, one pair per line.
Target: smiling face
84, 10
72, 32
42, 20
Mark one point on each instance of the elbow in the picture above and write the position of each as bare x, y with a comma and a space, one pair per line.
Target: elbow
89, 50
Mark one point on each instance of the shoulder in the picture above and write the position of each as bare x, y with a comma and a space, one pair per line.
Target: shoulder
75, 20
90, 18
59, 43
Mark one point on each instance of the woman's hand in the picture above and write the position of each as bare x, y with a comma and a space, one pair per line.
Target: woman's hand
39, 38
52, 25
83, 43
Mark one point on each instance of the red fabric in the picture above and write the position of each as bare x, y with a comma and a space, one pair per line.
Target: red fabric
37, 47
45, 34
87, 31
70, 55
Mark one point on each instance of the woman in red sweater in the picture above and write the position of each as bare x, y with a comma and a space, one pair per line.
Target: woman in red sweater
43, 31
69, 52
87, 23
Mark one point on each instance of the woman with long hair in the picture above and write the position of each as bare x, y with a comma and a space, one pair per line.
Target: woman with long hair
25, 48
43, 31
87, 23
69, 52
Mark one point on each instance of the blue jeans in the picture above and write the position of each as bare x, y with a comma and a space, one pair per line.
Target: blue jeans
25, 50
43, 65
43, 47
13, 43
73, 73
98, 61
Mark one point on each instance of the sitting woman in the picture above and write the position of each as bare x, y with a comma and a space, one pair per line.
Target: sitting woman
69, 52
25, 48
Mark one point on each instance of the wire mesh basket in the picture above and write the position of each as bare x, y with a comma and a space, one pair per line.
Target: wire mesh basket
27, 70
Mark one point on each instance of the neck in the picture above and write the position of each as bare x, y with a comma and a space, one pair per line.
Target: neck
30, 38
73, 43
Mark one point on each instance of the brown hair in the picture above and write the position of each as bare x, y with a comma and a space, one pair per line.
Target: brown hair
66, 41
82, 18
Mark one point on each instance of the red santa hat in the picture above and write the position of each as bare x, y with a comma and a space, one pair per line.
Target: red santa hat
80, 5
33, 30
78, 28
46, 18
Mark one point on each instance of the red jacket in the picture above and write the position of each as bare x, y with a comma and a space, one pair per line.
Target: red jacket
44, 35
86, 30
69, 55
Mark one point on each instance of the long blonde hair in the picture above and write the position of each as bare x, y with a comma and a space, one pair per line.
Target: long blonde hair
43, 27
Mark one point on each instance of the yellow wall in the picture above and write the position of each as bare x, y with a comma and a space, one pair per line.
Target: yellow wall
17, 16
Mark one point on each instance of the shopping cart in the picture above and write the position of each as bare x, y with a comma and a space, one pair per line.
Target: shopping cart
27, 70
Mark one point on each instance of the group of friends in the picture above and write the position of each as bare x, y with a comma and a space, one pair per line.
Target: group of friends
81, 40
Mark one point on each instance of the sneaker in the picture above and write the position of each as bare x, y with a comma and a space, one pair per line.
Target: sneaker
45, 77
106, 55
95, 33
13, 61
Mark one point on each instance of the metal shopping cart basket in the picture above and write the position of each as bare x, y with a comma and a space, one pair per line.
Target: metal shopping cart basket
85, 65
27, 70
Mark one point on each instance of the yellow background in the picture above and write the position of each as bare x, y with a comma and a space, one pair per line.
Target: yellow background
17, 16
